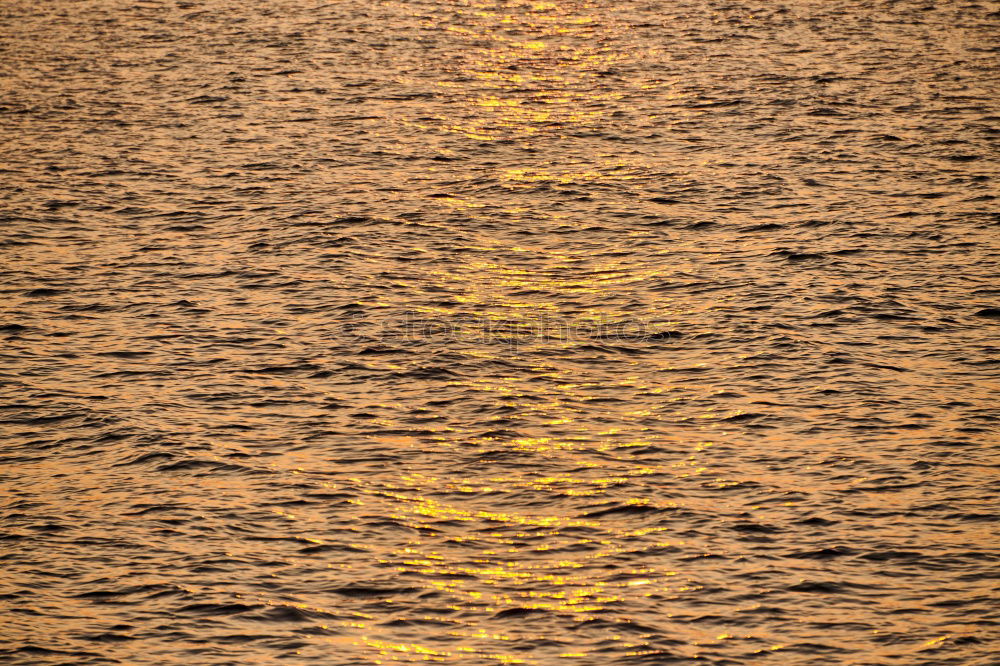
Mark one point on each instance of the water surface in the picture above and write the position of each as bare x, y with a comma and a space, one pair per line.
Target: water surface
482, 332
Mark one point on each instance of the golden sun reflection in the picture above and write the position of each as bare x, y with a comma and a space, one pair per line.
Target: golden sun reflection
543, 76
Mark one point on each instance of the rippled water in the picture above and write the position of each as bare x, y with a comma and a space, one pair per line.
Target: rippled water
483, 332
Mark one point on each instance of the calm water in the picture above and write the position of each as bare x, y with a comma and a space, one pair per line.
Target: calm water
484, 332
